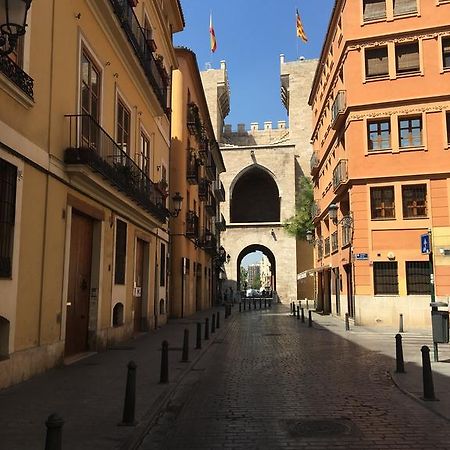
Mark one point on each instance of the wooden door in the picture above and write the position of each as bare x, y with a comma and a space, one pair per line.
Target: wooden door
80, 261
138, 285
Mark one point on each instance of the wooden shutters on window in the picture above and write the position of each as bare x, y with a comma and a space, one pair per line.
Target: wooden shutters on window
377, 64
404, 7
8, 185
374, 9
407, 58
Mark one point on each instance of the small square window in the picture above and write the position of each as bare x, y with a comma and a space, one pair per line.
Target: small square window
414, 200
407, 58
382, 202
402, 7
379, 134
377, 64
446, 52
374, 9
410, 132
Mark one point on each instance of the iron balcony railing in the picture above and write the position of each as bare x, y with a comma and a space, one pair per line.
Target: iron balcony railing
16, 75
192, 227
221, 224
211, 205
340, 174
204, 187
338, 108
209, 242
211, 170
347, 230
90, 144
138, 40
314, 162
193, 169
334, 242
203, 149
219, 190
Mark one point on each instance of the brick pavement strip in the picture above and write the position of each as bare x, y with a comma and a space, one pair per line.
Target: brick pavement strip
89, 394
274, 383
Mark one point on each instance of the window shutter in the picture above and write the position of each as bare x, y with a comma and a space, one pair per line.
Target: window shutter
446, 45
408, 57
374, 9
404, 7
377, 62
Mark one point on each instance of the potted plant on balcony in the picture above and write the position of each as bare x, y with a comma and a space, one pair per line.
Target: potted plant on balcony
159, 60
162, 187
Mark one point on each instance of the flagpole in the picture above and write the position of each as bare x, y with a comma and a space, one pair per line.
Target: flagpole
296, 36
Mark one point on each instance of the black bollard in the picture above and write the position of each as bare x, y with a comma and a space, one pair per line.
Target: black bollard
185, 353
240, 307
130, 396
164, 377
213, 324
298, 312
309, 319
260, 303
428, 387
199, 336
303, 315
218, 320
400, 326
265, 303
206, 329
53, 439
399, 354
291, 305
347, 323
254, 304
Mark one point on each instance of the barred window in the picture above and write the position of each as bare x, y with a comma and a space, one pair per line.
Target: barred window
404, 7
410, 132
8, 184
334, 242
414, 200
382, 202
418, 278
385, 278
407, 58
121, 252
377, 64
374, 9
327, 246
379, 134
446, 52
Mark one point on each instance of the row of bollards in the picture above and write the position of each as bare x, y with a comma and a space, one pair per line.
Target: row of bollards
255, 304
299, 312
427, 374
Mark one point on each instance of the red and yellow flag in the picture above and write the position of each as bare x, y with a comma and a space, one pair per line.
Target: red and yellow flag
212, 35
300, 30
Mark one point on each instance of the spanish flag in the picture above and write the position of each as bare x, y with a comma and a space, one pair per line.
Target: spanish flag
212, 35
300, 30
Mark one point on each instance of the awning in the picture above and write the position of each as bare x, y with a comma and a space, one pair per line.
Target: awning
311, 272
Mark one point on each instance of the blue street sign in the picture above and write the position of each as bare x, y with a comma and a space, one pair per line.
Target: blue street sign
425, 244
361, 256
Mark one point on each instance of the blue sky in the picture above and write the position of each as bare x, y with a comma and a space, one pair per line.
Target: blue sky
251, 34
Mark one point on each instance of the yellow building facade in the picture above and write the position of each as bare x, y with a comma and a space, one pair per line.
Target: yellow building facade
84, 174
195, 165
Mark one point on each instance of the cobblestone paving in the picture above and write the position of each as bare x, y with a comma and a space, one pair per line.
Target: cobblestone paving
274, 383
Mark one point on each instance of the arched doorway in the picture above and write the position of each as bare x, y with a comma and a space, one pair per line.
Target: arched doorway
269, 281
255, 197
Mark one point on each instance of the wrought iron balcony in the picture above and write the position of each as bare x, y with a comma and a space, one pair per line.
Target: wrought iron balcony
334, 242
16, 75
211, 170
204, 188
347, 231
91, 145
221, 224
209, 242
203, 149
194, 123
314, 163
340, 174
211, 205
338, 108
327, 246
193, 169
138, 39
219, 190
192, 228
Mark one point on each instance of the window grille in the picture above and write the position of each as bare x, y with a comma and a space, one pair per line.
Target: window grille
404, 7
410, 132
121, 252
385, 278
414, 200
407, 58
374, 9
446, 52
346, 234
418, 278
334, 242
377, 64
379, 135
382, 202
8, 185
327, 246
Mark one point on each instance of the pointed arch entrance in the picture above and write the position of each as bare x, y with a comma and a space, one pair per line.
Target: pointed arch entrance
267, 252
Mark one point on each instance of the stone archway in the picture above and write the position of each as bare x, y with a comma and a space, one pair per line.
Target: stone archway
267, 252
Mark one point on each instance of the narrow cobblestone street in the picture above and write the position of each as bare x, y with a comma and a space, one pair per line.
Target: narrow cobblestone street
272, 382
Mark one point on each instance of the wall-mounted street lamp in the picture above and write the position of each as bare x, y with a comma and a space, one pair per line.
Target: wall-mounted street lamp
224, 257
13, 21
177, 201
346, 221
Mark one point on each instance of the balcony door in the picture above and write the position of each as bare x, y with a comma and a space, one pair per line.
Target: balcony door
89, 102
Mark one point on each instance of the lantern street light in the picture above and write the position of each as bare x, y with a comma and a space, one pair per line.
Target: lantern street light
13, 20
177, 200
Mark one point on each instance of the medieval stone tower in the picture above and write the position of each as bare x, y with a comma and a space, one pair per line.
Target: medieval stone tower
263, 166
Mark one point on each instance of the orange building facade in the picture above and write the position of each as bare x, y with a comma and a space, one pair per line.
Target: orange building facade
380, 167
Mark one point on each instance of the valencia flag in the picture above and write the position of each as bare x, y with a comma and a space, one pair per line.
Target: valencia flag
212, 35
300, 30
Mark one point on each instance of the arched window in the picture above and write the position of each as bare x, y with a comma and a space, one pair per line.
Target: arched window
118, 315
162, 307
255, 198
